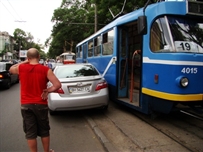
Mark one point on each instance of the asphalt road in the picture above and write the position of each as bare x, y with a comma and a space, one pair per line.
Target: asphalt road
116, 129
69, 130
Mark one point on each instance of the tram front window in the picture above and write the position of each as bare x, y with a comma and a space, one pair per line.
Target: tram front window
69, 57
183, 35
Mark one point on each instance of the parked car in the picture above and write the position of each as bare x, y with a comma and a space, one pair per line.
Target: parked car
13, 61
41, 61
6, 78
53, 63
83, 87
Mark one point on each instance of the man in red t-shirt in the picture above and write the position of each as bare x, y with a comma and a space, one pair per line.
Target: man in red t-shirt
34, 93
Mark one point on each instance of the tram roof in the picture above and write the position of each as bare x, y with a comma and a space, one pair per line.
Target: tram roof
119, 21
67, 53
152, 10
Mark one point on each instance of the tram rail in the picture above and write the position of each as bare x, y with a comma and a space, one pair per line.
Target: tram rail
129, 130
192, 114
177, 121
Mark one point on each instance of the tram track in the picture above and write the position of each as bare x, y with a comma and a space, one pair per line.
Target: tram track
192, 115
188, 130
130, 130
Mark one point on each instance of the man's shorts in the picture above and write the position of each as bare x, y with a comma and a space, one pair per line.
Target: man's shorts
35, 120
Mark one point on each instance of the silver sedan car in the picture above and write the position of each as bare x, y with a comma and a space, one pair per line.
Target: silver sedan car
83, 87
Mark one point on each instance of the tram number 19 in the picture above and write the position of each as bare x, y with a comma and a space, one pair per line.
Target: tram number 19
189, 70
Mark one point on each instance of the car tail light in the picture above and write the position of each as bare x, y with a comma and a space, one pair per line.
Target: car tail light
1, 76
101, 85
60, 91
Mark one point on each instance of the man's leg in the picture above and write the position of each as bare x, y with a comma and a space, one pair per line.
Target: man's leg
43, 126
29, 126
45, 143
32, 143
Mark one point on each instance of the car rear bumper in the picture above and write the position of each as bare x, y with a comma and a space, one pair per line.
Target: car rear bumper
58, 103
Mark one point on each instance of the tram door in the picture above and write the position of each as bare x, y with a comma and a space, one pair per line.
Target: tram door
123, 63
85, 53
129, 64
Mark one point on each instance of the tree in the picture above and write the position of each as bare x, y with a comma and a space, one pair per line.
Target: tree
66, 31
29, 40
25, 41
19, 36
76, 19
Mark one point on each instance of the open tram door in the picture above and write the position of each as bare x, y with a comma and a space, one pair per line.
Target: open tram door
129, 68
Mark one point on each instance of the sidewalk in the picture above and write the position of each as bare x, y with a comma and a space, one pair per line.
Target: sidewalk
122, 131
107, 145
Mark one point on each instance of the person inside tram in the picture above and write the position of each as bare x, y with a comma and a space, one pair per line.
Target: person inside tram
138, 52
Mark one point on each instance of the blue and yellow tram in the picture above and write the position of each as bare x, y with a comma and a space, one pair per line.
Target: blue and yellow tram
152, 57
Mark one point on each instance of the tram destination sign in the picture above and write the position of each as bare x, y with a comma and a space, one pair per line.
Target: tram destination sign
195, 7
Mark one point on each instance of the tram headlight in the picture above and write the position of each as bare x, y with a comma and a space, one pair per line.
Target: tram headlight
182, 81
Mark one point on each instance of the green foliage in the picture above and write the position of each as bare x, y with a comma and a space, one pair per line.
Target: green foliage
24, 41
75, 20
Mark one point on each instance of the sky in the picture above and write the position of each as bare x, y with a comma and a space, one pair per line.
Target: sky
33, 16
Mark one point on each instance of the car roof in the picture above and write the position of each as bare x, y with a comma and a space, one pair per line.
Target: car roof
75, 64
76, 68
2, 66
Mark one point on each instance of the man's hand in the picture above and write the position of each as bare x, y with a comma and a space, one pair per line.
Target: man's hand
14, 68
44, 94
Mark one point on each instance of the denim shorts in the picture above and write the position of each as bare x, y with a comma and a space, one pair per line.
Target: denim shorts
35, 120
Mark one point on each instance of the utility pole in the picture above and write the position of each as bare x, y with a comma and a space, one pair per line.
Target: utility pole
95, 18
19, 43
71, 46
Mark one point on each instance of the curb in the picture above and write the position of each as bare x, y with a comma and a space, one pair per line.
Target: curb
106, 143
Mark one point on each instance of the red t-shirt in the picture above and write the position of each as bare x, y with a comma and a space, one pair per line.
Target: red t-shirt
33, 80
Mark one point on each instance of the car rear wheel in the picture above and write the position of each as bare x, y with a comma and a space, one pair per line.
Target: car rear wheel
17, 81
8, 84
104, 108
52, 112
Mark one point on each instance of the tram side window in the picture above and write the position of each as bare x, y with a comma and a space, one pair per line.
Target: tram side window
97, 46
79, 52
156, 42
85, 47
107, 46
90, 48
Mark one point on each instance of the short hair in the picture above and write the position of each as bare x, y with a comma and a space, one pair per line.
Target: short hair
32, 53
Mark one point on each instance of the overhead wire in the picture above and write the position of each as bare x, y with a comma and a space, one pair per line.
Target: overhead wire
16, 16
14, 10
7, 9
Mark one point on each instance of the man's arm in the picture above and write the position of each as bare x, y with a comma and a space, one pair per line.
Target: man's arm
14, 69
56, 84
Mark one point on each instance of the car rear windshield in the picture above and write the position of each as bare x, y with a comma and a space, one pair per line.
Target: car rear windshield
75, 71
5, 66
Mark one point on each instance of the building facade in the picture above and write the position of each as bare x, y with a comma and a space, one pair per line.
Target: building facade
7, 51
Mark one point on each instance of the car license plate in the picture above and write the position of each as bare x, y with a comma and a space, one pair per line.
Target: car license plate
79, 89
